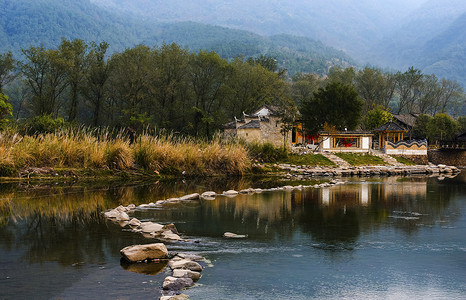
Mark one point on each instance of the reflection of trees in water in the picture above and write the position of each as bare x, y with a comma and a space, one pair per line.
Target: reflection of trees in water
65, 225
83, 237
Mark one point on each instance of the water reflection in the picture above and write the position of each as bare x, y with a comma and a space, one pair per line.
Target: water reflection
63, 225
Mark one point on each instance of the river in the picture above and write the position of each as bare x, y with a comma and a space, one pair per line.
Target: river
371, 238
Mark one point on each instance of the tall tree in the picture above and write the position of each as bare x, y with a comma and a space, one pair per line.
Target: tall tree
208, 76
131, 80
337, 104
374, 87
96, 79
7, 68
45, 72
407, 87
75, 53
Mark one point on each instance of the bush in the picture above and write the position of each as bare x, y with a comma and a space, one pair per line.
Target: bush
266, 152
42, 124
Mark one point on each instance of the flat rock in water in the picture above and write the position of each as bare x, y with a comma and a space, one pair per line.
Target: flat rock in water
175, 297
190, 256
174, 283
122, 216
142, 252
230, 192
134, 222
169, 235
171, 227
149, 227
208, 195
234, 235
194, 196
112, 214
185, 264
180, 273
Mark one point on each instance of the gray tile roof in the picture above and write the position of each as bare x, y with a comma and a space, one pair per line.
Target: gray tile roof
390, 126
251, 124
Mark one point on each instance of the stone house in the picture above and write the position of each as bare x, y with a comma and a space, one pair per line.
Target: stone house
262, 126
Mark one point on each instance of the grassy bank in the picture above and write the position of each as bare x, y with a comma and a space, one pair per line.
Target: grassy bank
357, 159
83, 149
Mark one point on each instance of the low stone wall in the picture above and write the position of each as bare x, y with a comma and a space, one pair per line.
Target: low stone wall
449, 157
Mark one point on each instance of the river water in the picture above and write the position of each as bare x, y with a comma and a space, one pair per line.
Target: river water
371, 238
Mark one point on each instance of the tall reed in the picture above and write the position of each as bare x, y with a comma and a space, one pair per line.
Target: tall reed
84, 148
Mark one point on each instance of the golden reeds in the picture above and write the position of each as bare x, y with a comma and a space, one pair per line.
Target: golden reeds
84, 148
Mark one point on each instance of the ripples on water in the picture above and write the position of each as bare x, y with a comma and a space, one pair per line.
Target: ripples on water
378, 239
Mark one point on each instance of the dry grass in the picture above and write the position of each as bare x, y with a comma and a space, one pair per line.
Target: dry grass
87, 149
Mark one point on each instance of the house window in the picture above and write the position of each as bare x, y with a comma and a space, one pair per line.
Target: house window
346, 142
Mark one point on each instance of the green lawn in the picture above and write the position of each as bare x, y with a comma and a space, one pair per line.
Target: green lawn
357, 159
404, 161
308, 159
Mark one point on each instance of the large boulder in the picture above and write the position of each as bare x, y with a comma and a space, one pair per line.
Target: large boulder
144, 252
185, 264
174, 283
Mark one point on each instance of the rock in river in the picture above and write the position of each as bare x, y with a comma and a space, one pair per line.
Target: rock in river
185, 264
234, 235
174, 283
142, 252
186, 273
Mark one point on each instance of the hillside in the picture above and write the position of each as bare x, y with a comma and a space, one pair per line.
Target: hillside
44, 22
394, 33
352, 26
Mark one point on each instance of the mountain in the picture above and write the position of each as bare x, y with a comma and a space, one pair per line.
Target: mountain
397, 34
347, 25
44, 22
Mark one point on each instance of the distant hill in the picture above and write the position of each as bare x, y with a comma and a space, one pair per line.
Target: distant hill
392, 33
44, 22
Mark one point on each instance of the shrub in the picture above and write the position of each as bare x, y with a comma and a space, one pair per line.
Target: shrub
266, 152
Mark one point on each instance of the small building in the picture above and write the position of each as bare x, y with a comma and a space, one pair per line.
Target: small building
390, 131
262, 126
345, 141
408, 122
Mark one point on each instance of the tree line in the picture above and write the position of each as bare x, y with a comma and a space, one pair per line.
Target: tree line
195, 93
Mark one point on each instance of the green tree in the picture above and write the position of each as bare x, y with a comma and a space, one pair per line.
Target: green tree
304, 86
408, 85
375, 88
45, 72
75, 55
6, 110
95, 85
462, 123
376, 117
132, 74
420, 130
338, 74
171, 87
337, 104
7, 67
442, 127
208, 77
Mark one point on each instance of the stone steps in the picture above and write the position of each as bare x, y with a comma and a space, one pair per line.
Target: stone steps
336, 160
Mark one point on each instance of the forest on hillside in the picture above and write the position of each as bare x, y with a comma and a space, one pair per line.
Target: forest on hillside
45, 22
195, 93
